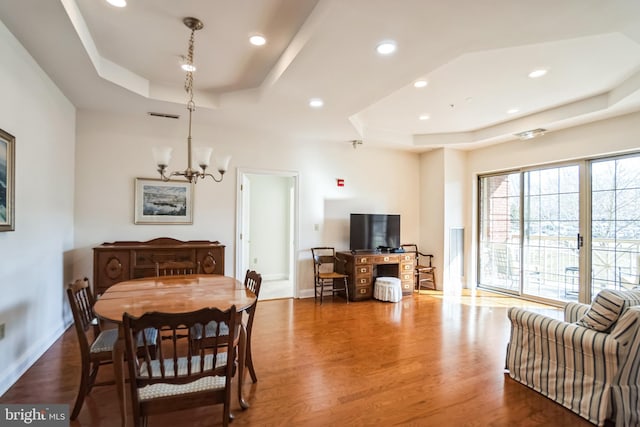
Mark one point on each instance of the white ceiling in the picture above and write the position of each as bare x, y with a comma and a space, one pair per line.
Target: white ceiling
476, 56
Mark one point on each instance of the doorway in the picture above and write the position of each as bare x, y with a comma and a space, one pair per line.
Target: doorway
267, 229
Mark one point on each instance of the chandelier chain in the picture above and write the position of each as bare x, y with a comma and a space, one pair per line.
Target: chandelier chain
188, 84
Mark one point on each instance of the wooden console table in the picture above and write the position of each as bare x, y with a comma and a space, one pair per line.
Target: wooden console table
119, 261
363, 268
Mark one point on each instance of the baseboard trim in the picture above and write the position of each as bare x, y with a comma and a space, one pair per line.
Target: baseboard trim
20, 366
305, 293
274, 276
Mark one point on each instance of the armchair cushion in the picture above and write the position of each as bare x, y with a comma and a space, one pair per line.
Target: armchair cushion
607, 307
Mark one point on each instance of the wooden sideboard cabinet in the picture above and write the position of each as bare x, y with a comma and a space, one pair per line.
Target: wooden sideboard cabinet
119, 261
364, 267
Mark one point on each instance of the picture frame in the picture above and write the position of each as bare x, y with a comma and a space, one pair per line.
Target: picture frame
7, 181
163, 202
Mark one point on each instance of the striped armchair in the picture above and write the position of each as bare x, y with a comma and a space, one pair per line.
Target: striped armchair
588, 363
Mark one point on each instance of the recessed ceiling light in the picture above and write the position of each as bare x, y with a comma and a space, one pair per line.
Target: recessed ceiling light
538, 73
424, 117
257, 40
420, 83
117, 3
316, 102
386, 48
512, 110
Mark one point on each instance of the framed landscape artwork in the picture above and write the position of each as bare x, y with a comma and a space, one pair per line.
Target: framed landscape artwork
7, 185
160, 202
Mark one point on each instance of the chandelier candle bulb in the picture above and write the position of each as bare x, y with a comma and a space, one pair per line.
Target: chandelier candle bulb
202, 156
223, 163
162, 156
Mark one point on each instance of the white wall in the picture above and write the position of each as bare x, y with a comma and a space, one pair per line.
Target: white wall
456, 209
443, 205
35, 260
432, 209
114, 149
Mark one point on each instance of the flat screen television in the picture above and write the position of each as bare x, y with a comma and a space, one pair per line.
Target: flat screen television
373, 231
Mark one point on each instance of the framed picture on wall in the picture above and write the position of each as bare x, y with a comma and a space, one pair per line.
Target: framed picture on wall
7, 184
160, 202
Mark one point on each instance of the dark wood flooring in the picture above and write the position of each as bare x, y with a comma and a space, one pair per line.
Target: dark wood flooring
430, 360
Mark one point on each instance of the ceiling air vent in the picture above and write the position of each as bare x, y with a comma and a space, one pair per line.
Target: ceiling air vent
165, 115
528, 134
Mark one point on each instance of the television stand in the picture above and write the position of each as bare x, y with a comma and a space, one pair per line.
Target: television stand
362, 269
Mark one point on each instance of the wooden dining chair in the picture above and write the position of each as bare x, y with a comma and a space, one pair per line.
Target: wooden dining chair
171, 268
177, 377
252, 282
325, 275
96, 345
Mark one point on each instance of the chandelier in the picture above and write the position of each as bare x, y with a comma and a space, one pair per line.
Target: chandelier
202, 155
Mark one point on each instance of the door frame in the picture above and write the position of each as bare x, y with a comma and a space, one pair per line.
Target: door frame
240, 215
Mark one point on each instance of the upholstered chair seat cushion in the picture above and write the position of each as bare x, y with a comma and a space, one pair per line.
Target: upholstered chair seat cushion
162, 390
108, 337
155, 391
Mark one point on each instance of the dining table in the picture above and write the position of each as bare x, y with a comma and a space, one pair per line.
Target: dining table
170, 294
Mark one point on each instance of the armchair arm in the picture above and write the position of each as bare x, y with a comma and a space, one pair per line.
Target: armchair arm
427, 255
574, 311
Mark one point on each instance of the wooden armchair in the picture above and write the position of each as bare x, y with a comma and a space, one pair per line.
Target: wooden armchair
424, 275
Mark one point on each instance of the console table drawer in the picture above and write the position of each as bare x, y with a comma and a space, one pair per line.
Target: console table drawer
386, 259
406, 268
364, 259
363, 270
363, 281
407, 277
363, 292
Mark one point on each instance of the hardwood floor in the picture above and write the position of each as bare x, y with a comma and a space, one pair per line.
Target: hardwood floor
430, 360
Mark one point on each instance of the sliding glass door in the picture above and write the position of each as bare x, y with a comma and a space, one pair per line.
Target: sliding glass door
615, 223
551, 223
532, 222
533, 216
499, 232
